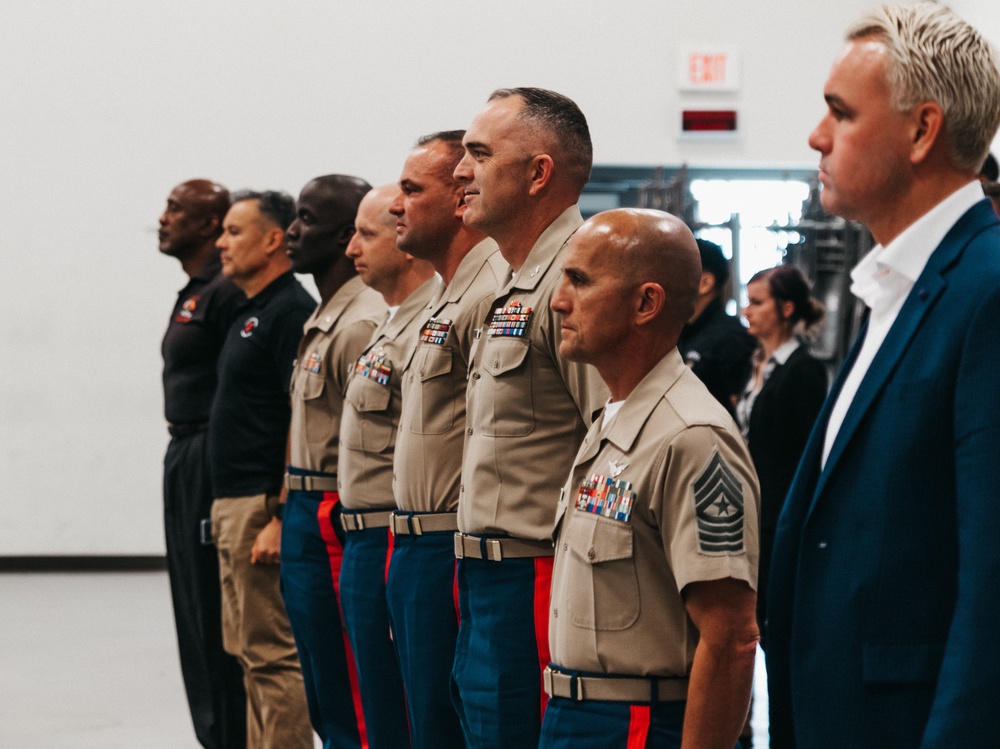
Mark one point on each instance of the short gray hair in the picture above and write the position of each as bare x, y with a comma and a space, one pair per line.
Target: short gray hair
933, 55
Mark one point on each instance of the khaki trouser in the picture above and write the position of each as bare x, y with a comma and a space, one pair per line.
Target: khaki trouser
255, 629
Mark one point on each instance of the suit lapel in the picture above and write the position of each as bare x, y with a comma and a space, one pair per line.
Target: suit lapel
926, 290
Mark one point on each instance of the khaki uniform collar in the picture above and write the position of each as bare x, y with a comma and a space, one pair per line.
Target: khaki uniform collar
545, 250
624, 429
326, 317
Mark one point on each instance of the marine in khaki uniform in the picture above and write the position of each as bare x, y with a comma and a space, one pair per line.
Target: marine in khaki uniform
652, 628
428, 458
311, 549
367, 440
527, 157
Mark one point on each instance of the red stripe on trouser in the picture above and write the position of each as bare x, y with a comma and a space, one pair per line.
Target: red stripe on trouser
335, 551
543, 586
454, 594
388, 553
638, 727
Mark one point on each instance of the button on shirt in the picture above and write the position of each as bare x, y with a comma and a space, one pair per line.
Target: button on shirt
883, 280
661, 496
528, 408
370, 418
335, 336
427, 465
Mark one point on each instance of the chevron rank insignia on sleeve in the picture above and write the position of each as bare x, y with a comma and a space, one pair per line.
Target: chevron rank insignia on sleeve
718, 504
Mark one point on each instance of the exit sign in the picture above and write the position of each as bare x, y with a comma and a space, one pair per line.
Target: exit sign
708, 68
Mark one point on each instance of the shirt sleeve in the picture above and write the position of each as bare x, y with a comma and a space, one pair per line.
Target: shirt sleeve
709, 507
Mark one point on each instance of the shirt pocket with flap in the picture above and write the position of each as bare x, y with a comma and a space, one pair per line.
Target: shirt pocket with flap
507, 387
603, 587
433, 389
374, 422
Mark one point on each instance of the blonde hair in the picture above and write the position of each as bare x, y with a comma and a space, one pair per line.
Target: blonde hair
933, 55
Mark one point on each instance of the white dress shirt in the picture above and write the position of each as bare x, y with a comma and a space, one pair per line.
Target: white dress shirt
884, 278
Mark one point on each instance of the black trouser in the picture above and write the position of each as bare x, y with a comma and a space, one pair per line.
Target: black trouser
212, 678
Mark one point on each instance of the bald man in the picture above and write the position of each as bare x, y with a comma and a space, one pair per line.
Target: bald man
368, 430
311, 550
652, 627
205, 308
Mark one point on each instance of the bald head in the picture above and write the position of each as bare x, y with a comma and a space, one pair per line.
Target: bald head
652, 247
324, 222
192, 220
373, 246
630, 278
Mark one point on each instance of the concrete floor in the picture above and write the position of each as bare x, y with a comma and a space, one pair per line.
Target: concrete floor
89, 661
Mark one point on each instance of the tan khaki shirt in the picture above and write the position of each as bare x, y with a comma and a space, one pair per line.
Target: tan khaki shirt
528, 408
335, 336
663, 496
372, 405
427, 466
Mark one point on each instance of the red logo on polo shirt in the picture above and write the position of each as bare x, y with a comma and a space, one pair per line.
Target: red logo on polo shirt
187, 309
248, 327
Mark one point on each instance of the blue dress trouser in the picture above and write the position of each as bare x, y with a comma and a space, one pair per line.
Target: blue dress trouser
423, 609
596, 724
366, 619
501, 651
310, 565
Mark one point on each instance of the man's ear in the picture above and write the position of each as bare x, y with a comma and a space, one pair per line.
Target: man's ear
541, 169
210, 226
343, 237
460, 202
706, 283
652, 298
275, 240
927, 129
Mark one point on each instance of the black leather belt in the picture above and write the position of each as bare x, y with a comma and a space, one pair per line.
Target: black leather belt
614, 688
178, 431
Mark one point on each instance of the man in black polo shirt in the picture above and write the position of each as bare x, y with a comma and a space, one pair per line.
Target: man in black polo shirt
247, 435
205, 309
715, 345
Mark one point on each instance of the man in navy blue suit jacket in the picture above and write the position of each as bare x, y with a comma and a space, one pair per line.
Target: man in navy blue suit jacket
884, 581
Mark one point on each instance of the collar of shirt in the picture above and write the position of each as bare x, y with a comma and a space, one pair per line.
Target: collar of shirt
886, 273
544, 251
266, 294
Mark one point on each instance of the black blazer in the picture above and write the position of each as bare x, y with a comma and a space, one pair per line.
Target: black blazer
780, 422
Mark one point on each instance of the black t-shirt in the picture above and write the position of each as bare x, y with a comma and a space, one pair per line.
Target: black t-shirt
718, 349
249, 426
205, 309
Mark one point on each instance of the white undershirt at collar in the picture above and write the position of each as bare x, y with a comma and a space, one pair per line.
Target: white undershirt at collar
884, 278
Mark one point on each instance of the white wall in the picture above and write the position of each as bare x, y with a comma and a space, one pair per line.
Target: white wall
106, 104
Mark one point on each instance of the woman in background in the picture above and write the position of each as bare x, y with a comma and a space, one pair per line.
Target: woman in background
783, 397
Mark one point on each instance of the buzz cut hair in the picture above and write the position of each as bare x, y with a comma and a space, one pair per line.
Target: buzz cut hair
452, 141
934, 55
560, 116
276, 206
